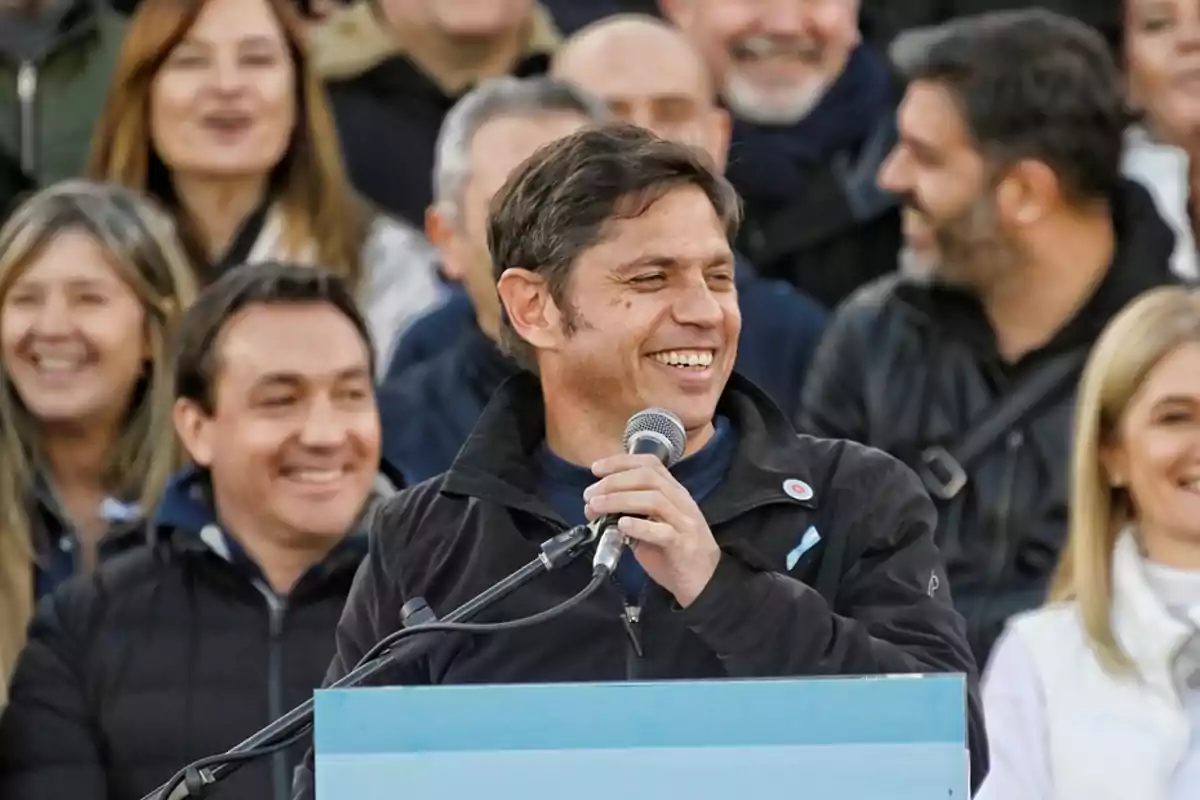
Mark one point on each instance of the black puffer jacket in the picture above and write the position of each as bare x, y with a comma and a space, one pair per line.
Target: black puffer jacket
167, 654
905, 366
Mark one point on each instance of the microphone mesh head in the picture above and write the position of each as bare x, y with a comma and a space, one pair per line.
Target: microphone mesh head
662, 422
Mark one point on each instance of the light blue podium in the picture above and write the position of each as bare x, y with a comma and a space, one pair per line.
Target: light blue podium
874, 738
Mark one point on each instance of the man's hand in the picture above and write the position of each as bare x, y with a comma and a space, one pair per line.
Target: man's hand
673, 542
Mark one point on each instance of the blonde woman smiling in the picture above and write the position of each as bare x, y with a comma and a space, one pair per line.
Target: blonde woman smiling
1097, 695
92, 282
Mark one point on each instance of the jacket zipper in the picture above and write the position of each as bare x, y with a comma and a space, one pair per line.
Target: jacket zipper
1003, 544
276, 610
27, 87
631, 617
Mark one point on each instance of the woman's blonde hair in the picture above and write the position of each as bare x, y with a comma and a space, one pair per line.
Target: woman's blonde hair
1144, 333
318, 202
140, 242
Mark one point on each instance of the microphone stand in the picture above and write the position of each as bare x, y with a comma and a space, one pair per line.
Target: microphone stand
556, 553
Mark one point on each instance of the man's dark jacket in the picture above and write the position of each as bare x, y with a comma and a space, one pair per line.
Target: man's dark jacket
886, 609
815, 215
434, 393
883, 20
389, 111
907, 365
166, 654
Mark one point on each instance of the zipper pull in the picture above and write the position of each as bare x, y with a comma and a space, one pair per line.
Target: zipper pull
27, 87
27, 80
630, 618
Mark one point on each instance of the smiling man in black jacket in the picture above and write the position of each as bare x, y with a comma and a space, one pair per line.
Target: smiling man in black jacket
179, 649
761, 553
1009, 162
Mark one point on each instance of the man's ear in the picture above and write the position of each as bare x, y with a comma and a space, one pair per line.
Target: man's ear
194, 428
439, 230
678, 12
1027, 192
531, 311
719, 131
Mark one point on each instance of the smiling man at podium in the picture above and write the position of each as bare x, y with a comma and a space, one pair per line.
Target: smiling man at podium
761, 553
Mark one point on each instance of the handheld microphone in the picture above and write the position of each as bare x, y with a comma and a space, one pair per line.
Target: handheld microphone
656, 432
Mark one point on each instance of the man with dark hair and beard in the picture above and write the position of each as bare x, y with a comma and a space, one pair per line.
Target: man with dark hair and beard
1026, 242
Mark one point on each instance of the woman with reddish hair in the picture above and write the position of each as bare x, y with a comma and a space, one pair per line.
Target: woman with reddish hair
215, 112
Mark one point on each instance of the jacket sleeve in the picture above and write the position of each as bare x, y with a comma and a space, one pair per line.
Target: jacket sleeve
892, 612
372, 611
833, 404
48, 748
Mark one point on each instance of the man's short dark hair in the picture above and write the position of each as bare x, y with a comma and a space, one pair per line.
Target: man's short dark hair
1030, 84
562, 200
269, 283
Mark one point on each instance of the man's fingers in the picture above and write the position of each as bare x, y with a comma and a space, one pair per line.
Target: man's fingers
658, 534
626, 481
640, 475
625, 463
641, 502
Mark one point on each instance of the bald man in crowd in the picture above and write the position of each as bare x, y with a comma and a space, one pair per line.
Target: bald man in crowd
650, 74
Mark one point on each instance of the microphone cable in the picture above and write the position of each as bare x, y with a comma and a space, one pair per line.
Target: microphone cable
193, 777
387, 642
192, 774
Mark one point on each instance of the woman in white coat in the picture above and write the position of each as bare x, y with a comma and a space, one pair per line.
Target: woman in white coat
1097, 695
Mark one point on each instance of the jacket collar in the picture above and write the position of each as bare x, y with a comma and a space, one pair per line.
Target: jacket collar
125, 520
354, 40
1142, 625
187, 519
1163, 169
73, 20
497, 462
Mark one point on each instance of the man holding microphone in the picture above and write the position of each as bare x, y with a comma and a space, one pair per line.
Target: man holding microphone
760, 553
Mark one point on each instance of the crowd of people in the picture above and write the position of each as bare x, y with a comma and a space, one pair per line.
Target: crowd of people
311, 308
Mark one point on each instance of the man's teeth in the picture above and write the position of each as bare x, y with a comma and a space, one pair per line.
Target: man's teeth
316, 476
764, 47
685, 358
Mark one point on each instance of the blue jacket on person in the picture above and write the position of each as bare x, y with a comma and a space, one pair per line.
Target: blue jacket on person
186, 512
444, 370
57, 550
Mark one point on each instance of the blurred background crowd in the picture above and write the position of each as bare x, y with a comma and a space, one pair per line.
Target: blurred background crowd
925, 272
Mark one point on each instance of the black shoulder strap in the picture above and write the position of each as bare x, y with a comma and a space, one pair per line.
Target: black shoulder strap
943, 469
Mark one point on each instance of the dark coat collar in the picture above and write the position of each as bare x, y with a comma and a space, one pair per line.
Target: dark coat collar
497, 462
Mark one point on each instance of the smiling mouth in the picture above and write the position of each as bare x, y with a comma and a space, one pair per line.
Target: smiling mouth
57, 366
686, 359
311, 476
223, 123
763, 50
